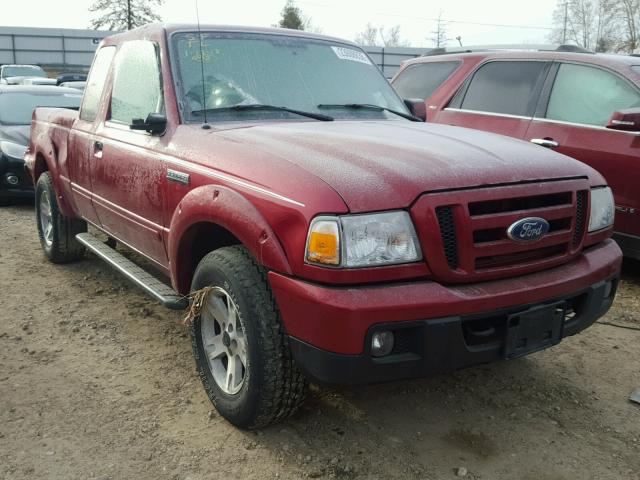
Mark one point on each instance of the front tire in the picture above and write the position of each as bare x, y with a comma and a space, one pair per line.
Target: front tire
57, 232
239, 343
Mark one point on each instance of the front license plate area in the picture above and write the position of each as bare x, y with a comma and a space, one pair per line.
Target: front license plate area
534, 329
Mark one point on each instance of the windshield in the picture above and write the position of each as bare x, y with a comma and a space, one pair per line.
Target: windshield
293, 72
17, 108
26, 71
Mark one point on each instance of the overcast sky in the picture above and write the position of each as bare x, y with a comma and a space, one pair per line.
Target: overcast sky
341, 18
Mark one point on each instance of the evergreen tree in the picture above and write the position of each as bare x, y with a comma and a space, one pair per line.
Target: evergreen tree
124, 14
292, 17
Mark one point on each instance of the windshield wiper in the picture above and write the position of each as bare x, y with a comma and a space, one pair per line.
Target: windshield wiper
370, 106
260, 106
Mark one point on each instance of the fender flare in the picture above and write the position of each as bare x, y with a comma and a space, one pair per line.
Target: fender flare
230, 210
48, 151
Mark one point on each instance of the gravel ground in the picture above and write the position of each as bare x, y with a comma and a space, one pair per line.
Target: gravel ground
98, 382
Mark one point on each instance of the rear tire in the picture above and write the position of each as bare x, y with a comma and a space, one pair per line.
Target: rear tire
57, 232
268, 386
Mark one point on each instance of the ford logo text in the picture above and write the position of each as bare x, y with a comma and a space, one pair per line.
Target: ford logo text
528, 230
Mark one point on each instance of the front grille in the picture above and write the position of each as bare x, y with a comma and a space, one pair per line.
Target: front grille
473, 243
448, 234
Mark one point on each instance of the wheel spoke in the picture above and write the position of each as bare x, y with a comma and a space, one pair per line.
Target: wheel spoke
231, 373
218, 309
215, 347
233, 315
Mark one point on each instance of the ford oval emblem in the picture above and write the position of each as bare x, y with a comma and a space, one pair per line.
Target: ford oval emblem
528, 230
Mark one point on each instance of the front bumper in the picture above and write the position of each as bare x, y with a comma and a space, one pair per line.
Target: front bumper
435, 325
14, 167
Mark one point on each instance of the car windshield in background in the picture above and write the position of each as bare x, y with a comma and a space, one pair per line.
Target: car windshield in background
283, 71
17, 108
23, 72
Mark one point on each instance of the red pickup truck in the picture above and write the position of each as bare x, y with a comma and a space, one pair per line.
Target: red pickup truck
324, 231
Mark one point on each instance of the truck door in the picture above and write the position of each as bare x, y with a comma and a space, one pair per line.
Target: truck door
500, 97
129, 179
80, 136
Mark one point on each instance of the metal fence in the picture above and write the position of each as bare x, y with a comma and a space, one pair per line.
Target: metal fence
65, 48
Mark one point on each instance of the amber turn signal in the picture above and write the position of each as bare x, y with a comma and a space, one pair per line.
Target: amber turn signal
323, 244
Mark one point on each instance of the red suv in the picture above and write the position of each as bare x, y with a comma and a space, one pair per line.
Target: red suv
582, 104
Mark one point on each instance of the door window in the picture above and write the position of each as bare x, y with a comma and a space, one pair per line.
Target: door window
589, 95
137, 85
95, 83
507, 87
422, 79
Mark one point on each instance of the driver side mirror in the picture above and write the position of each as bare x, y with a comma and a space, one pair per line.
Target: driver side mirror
155, 123
417, 108
627, 120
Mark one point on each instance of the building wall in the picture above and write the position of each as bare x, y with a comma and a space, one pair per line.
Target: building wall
55, 49
58, 49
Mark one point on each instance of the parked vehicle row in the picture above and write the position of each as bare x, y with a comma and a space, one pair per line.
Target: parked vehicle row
17, 103
584, 105
320, 228
20, 93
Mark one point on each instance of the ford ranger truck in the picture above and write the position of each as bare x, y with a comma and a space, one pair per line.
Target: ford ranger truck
319, 228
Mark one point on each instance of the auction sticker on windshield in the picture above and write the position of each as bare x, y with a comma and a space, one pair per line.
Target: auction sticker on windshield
350, 54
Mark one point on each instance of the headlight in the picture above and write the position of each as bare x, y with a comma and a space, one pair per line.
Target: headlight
13, 150
370, 240
602, 209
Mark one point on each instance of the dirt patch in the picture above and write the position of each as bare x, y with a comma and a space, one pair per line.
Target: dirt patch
98, 382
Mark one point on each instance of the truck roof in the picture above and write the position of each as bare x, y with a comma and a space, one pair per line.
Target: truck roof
170, 28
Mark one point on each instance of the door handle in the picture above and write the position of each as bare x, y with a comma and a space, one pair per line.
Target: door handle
545, 142
97, 149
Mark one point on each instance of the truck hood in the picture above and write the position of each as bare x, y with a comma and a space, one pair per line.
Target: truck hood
383, 165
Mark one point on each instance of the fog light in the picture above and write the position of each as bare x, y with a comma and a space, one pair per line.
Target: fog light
12, 179
381, 343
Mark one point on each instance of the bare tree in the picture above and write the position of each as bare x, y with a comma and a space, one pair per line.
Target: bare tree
590, 24
628, 12
439, 38
368, 37
379, 37
124, 14
392, 37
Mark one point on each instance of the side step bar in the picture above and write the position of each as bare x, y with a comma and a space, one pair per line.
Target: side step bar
157, 289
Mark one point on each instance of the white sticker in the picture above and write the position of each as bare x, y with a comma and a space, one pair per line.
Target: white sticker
350, 54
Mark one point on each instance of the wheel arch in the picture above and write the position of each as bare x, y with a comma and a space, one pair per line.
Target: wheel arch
211, 217
45, 159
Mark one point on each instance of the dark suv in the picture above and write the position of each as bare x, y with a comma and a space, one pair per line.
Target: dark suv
582, 104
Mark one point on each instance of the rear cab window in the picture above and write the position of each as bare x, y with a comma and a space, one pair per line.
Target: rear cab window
589, 95
420, 80
95, 83
508, 87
